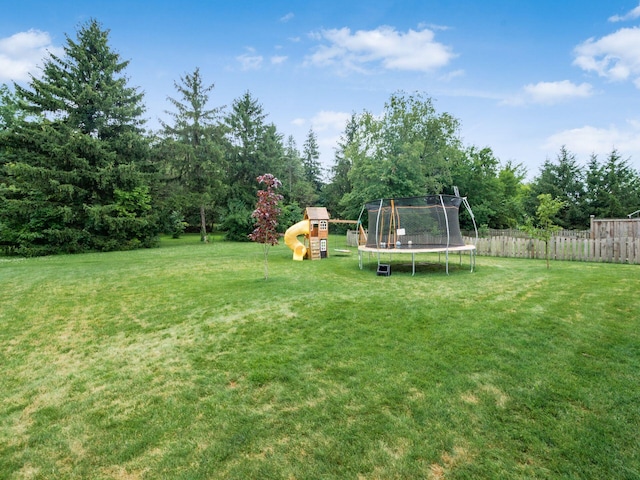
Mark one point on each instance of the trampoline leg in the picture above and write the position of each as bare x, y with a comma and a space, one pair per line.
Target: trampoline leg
413, 264
446, 259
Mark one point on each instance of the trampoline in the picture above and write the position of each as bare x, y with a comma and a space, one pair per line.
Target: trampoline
416, 225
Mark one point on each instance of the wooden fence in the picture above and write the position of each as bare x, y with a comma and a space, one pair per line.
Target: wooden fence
579, 248
612, 250
514, 232
615, 227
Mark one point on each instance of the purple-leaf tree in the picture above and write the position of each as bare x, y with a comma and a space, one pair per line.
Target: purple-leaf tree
265, 216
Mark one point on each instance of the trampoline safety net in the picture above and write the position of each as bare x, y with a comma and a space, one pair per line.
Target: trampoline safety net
415, 223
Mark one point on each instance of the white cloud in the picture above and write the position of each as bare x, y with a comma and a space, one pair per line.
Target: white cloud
447, 77
554, 92
329, 125
250, 60
23, 52
409, 51
287, 17
588, 139
615, 56
330, 121
549, 93
278, 59
433, 26
631, 15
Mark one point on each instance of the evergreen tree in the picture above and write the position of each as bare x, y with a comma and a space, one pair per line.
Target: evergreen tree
194, 147
594, 185
339, 184
72, 168
614, 187
254, 147
299, 192
246, 123
292, 165
564, 180
272, 150
10, 110
10, 113
311, 161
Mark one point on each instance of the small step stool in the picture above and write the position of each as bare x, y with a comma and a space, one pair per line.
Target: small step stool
384, 270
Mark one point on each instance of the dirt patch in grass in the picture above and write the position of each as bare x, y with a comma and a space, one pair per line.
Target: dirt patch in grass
449, 461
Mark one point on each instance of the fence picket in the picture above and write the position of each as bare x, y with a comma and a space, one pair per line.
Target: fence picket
618, 250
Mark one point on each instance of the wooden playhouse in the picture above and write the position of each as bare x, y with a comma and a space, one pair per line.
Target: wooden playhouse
318, 236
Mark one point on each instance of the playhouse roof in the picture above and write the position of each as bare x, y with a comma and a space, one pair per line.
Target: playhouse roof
316, 213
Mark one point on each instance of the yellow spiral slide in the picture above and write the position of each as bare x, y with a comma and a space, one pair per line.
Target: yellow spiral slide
291, 239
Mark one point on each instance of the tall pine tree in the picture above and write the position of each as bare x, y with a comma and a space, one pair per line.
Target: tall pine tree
298, 192
73, 165
339, 184
614, 187
255, 148
562, 179
311, 161
193, 147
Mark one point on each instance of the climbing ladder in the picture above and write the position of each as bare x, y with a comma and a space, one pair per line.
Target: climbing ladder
315, 248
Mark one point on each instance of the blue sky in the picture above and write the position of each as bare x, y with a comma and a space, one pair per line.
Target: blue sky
523, 77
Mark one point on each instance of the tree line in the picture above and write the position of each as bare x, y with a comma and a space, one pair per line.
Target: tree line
79, 172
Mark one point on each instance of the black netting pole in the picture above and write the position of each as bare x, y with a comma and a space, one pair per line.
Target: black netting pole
446, 220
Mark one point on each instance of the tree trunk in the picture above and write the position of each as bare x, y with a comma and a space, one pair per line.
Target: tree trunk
546, 252
203, 226
266, 262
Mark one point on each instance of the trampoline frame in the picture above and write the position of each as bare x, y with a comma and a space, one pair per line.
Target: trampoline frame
392, 249
446, 250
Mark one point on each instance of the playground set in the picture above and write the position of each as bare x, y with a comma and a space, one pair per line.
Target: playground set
413, 225
315, 228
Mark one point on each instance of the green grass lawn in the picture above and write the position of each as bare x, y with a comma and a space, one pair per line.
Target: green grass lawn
182, 362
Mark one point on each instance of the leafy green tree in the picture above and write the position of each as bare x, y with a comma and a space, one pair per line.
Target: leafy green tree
290, 214
193, 147
236, 221
544, 228
72, 167
406, 151
510, 211
475, 173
